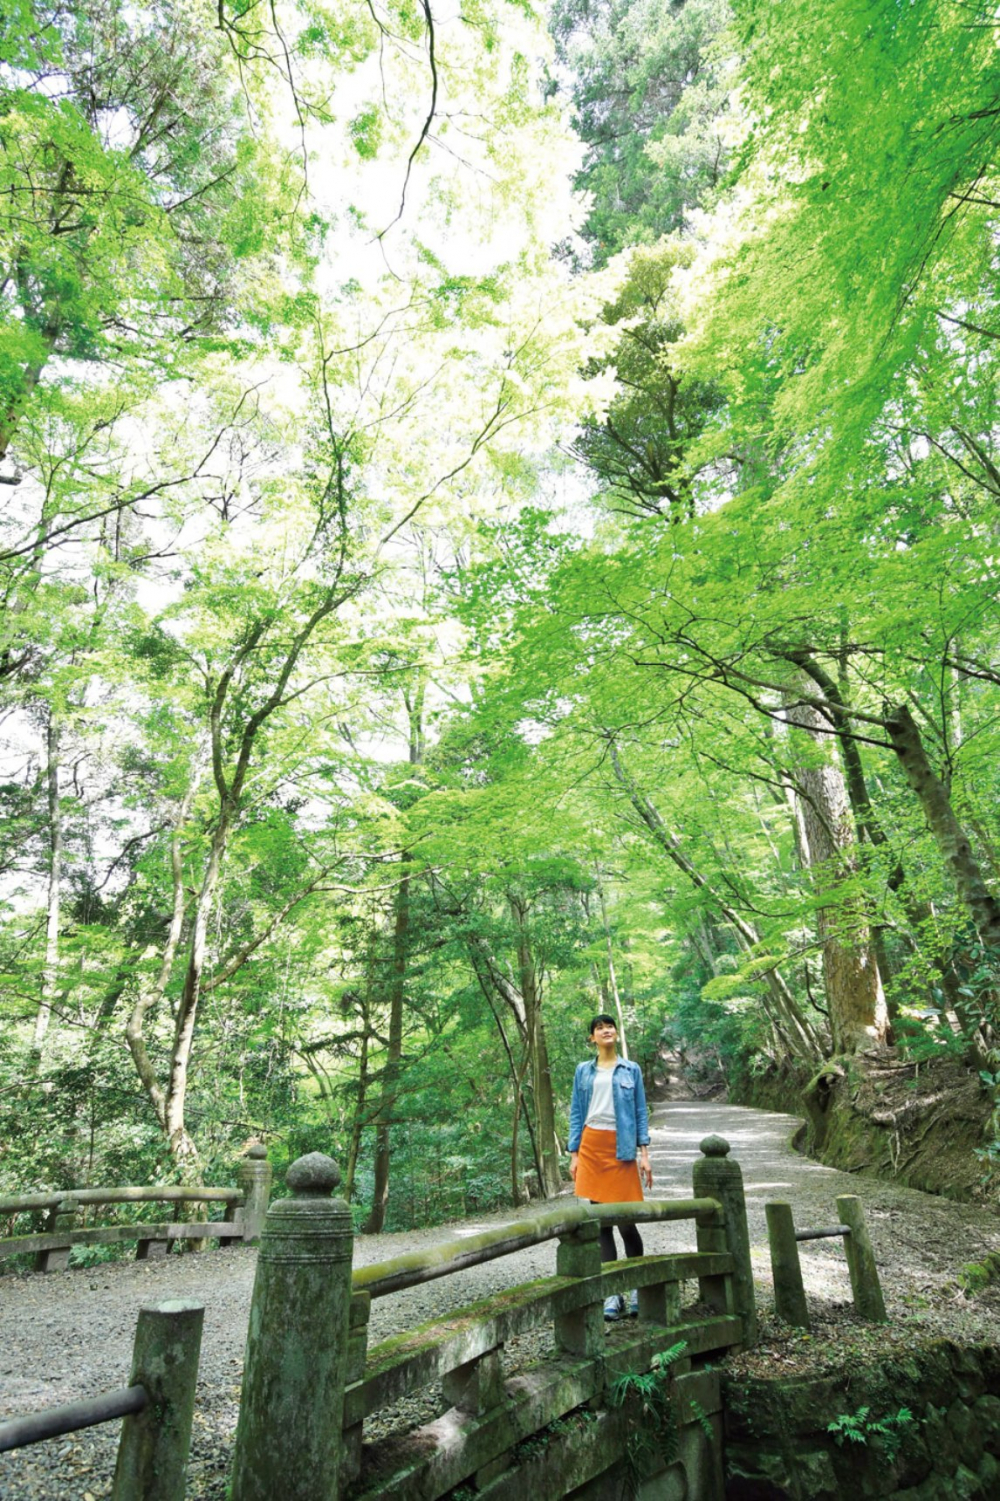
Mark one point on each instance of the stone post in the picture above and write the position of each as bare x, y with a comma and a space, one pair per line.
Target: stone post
581, 1332
289, 1434
660, 1303
61, 1218
357, 1355
476, 1386
716, 1176
154, 1444
789, 1293
254, 1178
865, 1284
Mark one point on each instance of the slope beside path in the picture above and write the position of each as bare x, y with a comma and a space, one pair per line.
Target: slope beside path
69, 1335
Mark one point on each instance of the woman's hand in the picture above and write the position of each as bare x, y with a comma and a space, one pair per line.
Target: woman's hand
645, 1167
574, 1158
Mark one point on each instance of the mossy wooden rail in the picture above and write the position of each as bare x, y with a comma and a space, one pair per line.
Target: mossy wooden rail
311, 1380
245, 1208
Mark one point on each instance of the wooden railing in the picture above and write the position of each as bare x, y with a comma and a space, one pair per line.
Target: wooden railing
786, 1270
311, 1382
62, 1211
157, 1407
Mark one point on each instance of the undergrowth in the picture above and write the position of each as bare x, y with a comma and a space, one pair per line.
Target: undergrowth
653, 1430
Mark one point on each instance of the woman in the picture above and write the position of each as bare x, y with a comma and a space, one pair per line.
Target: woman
608, 1130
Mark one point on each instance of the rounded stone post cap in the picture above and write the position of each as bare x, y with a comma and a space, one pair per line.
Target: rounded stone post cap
313, 1174
256, 1153
715, 1146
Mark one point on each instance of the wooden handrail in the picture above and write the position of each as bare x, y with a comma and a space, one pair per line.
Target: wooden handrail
166, 1194
53, 1422
449, 1256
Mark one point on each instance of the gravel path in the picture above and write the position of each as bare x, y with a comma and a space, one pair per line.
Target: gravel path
69, 1335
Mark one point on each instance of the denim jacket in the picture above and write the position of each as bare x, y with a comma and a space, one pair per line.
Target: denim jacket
631, 1120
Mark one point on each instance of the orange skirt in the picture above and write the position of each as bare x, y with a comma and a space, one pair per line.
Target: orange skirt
599, 1174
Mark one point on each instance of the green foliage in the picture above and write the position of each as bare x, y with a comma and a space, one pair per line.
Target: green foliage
347, 769
920, 1038
653, 1432
535, 1446
650, 86
976, 1275
860, 1428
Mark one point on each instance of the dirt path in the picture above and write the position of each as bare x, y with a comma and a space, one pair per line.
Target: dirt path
69, 1335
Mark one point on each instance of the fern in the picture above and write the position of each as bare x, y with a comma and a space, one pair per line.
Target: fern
858, 1427
653, 1434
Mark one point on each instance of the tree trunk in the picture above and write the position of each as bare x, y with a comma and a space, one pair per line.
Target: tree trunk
169, 1102
866, 821
612, 977
541, 1073
182, 1145
794, 1030
854, 994
413, 700
951, 838
150, 996
50, 973
517, 1071
358, 1123
390, 1074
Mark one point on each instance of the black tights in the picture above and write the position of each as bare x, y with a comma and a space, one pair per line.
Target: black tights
631, 1239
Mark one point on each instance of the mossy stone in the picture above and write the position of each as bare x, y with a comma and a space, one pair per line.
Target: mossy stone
816, 1476
989, 1474
967, 1432
987, 1411
940, 1441
758, 1476
966, 1486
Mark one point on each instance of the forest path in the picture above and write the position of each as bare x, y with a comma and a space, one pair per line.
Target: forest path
69, 1334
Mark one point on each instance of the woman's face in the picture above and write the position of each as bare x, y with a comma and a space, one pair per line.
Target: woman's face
604, 1032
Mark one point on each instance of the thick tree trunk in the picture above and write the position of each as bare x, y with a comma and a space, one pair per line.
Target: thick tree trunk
867, 824
951, 838
50, 972
854, 994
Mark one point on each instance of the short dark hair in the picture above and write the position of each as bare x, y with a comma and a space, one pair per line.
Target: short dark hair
604, 1017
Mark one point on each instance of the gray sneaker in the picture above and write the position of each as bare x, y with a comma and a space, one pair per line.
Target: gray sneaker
614, 1308
633, 1304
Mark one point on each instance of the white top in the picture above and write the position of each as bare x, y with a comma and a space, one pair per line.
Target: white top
601, 1115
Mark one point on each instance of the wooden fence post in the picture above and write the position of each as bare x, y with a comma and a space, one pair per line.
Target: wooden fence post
789, 1292
716, 1176
254, 1178
289, 1434
865, 1285
154, 1444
